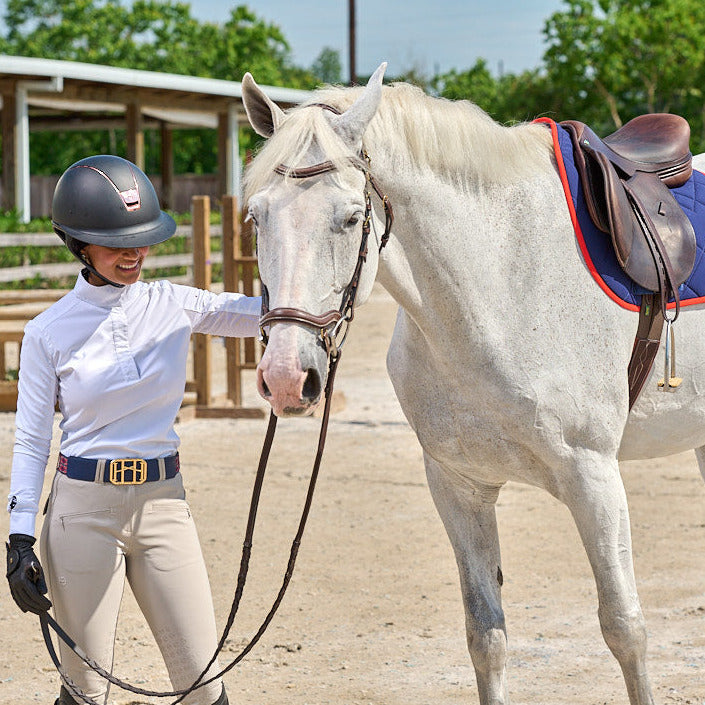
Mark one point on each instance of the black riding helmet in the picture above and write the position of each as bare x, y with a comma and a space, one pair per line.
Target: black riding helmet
107, 200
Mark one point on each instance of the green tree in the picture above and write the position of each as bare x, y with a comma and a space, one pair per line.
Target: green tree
508, 99
614, 59
525, 96
327, 67
156, 35
476, 84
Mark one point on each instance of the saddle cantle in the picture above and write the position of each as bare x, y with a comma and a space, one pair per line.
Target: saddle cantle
626, 179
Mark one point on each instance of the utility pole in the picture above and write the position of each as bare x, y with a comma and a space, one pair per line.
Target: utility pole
351, 41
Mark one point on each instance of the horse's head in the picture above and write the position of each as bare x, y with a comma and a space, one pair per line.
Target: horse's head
308, 196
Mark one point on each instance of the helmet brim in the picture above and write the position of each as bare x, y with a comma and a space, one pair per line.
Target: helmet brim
141, 235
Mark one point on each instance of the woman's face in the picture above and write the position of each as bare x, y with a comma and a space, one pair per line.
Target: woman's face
121, 265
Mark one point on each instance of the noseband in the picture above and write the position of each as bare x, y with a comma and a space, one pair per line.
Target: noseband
330, 324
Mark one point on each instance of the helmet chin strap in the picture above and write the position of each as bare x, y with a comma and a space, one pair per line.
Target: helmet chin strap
89, 267
71, 243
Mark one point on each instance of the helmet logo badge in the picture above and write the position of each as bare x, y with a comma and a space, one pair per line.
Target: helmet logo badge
131, 199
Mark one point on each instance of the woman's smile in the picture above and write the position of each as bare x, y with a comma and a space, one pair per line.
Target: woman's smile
121, 265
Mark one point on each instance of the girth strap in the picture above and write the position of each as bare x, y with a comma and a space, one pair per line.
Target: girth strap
646, 345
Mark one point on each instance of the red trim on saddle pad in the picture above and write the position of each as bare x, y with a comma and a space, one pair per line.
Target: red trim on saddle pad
574, 218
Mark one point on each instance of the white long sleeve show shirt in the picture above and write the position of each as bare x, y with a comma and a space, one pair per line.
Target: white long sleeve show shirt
115, 359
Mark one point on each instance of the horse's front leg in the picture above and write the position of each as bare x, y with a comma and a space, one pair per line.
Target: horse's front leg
469, 518
596, 498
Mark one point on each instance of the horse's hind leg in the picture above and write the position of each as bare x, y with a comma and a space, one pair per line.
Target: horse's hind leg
596, 498
469, 519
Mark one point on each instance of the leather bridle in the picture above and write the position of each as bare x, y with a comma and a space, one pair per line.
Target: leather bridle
330, 323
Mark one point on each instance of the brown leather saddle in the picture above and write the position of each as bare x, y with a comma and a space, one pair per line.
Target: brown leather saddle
626, 179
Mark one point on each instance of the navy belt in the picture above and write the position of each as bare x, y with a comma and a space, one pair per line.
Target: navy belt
119, 471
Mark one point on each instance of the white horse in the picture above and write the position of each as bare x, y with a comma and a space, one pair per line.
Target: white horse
508, 360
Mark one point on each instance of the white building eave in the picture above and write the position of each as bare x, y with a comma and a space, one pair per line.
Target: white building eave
75, 70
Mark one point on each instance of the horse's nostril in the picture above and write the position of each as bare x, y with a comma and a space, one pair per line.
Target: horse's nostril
265, 389
312, 385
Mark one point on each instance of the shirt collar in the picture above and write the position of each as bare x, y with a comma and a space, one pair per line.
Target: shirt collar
104, 296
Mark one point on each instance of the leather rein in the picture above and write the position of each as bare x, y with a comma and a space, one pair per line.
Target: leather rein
329, 325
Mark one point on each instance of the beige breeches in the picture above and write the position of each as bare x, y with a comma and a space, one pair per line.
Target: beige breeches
95, 535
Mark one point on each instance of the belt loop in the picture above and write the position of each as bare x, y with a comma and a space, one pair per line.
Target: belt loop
162, 468
99, 471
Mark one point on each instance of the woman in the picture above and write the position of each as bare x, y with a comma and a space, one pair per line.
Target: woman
112, 353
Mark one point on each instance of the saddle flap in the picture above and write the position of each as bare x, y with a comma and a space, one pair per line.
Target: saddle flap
662, 237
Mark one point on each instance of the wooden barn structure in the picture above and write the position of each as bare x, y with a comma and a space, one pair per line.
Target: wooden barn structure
47, 94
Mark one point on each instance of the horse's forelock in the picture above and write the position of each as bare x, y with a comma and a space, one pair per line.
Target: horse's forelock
304, 127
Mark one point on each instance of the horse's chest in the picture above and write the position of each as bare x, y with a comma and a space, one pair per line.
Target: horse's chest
502, 417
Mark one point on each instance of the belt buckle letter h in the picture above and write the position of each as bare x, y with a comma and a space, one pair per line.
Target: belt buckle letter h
128, 471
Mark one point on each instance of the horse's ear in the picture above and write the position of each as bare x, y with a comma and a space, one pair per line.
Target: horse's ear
352, 124
264, 115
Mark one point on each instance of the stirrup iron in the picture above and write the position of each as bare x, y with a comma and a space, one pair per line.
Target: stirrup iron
669, 365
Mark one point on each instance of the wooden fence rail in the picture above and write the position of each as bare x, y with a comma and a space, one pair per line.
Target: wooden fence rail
59, 270
239, 266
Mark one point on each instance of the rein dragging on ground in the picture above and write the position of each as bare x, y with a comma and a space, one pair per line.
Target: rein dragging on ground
48, 622
329, 325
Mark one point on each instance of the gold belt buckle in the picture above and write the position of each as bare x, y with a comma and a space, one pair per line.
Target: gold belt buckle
134, 467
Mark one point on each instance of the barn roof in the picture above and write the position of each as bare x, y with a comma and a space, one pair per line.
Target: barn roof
46, 94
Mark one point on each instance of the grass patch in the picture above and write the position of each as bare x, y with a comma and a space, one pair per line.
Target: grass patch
10, 223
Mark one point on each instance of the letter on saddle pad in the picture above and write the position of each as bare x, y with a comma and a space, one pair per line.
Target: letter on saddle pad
626, 179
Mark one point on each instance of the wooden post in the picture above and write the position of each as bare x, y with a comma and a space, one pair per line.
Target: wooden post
135, 134
9, 153
231, 282
167, 167
200, 215
352, 42
223, 147
234, 264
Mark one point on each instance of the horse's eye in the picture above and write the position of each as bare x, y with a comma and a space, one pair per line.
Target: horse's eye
353, 220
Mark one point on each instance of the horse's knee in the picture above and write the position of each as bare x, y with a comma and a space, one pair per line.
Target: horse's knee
625, 634
488, 651
488, 648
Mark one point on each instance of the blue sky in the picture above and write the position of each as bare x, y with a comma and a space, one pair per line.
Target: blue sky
433, 36
429, 35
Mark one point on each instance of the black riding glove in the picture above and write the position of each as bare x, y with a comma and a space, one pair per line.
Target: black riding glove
25, 575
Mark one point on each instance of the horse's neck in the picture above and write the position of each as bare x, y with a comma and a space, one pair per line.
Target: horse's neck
467, 254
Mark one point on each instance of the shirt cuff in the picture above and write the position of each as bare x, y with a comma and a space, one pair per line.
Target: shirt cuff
22, 523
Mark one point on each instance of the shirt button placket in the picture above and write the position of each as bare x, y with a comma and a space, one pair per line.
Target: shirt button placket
121, 341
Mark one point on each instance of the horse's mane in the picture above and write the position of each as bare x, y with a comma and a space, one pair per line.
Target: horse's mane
456, 140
